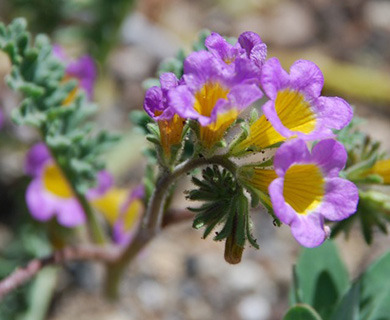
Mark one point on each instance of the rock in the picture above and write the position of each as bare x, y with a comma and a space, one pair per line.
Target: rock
254, 307
137, 30
288, 24
377, 14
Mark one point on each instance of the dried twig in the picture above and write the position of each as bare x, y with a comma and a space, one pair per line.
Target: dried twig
22, 274
108, 255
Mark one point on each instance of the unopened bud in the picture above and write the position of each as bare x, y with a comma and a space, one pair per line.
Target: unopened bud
233, 252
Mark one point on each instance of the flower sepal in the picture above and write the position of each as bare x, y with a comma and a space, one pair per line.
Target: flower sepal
244, 126
175, 151
153, 135
357, 171
199, 148
223, 204
258, 197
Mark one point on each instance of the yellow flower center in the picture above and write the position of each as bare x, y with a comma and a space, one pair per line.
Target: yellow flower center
294, 111
55, 182
207, 97
304, 187
133, 213
109, 203
205, 101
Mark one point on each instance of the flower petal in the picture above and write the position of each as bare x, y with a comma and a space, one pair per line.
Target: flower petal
242, 96
168, 80
104, 182
330, 155
36, 158
294, 151
245, 71
153, 101
182, 101
341, 199
217, 45
283, 211
1, 119
255, 49
83, 69
273, 78
40, 204
305, 76
201, 67
69, 213
259, 54
248, 40
308, 230
335, 112
272, 116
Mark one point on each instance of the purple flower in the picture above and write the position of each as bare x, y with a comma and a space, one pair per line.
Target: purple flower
122, 210
157, 106
308, 189
1, 119
36, 157
295, 108
214, 93
82, 69
249, 46
129, 216
156, 102
49, 194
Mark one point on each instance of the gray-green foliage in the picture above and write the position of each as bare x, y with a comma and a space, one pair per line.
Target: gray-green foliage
38, 75
321, 282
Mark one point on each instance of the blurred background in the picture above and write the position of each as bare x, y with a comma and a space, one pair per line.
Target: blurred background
181, 276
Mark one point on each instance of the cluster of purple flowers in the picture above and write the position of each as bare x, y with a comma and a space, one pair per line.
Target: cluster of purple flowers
219, 83
49, 195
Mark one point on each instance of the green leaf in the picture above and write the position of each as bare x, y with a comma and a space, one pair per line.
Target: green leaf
375, 290
348, 308
321, 277
38, 75
326, 295
302, 312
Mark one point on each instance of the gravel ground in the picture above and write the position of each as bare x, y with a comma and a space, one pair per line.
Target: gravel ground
179, 275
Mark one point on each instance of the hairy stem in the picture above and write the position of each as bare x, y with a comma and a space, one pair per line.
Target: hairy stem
154, 216
106, 254
95, 227
23, 274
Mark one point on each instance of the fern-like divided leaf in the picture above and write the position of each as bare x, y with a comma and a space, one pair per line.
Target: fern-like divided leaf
224, 204
39, 76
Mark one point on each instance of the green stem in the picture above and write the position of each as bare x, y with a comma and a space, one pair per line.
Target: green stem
96, 230
153, 217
